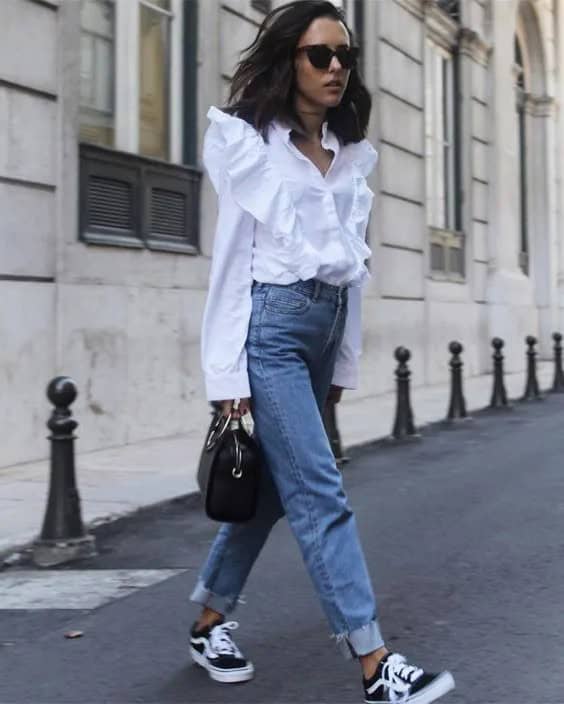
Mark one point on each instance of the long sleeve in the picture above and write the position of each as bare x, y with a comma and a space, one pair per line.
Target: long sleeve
348, 355
228, 305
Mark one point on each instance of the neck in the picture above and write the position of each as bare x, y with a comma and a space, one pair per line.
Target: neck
312, 117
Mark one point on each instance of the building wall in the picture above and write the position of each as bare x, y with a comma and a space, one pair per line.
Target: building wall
29, 203
125, 323
128, 319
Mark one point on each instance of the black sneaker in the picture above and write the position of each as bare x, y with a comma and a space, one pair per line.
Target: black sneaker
213, 649
396, 681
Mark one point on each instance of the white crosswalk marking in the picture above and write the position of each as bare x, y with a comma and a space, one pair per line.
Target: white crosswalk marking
73, 589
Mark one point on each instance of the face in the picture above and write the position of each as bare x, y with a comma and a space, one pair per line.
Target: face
321, 88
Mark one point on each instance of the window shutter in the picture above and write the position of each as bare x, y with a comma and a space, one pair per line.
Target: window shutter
134, 201
111, 203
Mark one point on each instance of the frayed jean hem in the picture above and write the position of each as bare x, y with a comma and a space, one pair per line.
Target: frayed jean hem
222, 604
361, 641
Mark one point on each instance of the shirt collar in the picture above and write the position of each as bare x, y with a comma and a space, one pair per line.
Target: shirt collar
328, 137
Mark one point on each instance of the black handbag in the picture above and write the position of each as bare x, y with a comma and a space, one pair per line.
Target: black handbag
229, 471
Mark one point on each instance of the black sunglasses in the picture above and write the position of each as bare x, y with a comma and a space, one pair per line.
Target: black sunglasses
321, 55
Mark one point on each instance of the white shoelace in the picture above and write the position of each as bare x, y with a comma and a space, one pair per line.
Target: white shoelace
221, 642
398, 676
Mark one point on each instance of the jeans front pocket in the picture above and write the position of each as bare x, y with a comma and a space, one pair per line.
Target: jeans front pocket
286, 300
253, 333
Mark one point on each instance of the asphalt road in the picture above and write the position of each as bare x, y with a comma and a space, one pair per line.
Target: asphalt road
464, 537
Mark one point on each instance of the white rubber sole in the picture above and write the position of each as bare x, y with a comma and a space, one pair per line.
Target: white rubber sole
242, 674
438, 688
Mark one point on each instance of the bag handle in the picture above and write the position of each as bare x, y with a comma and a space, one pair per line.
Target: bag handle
237, 471
214, 435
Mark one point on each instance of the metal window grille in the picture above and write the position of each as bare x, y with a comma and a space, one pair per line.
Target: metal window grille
128, 200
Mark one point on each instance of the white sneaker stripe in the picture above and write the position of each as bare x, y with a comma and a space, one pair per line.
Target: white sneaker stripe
208, 652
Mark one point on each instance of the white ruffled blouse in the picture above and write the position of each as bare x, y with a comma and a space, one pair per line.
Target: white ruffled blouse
280, 220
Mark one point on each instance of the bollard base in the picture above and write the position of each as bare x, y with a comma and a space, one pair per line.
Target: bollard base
48, 553
499, 408
412, 437
452, 423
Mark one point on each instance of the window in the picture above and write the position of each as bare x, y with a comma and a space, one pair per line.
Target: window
439, 137
262, 5
451, 7
359, 31
132, 74
354, 12
154, 63
138, 97
522, 156
97, 69
441, 160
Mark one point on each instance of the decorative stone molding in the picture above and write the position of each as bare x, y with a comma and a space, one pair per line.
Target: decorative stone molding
441, 28
540, 105
471, 44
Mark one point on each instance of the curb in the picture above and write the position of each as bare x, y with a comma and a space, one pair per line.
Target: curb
20, 553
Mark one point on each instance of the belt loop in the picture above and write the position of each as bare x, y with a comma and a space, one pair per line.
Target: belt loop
316, 289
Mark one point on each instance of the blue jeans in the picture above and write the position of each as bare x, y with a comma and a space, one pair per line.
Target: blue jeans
294, 333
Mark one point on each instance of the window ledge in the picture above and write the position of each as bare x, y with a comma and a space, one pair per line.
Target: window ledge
447, 278
175, 247
446, 232
111, 239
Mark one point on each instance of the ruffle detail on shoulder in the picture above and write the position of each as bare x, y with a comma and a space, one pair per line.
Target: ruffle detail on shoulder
357, 224
363, 155
363, 158
233, 149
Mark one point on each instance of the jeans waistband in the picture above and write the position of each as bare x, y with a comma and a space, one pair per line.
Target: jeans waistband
313, 288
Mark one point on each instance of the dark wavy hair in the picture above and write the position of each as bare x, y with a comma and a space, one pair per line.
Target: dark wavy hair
262, 86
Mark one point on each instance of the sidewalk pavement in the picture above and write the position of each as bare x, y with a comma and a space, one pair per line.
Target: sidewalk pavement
120, 480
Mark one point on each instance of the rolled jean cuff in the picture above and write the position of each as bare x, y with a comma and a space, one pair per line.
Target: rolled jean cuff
222, 604
361, 641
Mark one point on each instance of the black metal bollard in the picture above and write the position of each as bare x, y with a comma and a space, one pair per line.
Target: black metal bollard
457, 406
499, 394
63, 537
532, 392
404, 427
558, 383
332, 430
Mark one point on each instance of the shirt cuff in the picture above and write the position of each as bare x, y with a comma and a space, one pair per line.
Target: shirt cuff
345, 376
227, 386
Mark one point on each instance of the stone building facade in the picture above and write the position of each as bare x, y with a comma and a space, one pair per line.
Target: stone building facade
107, 222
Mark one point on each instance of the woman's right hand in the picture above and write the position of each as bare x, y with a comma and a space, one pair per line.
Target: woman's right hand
227, 407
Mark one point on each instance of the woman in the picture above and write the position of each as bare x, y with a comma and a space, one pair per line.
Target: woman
281, 327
